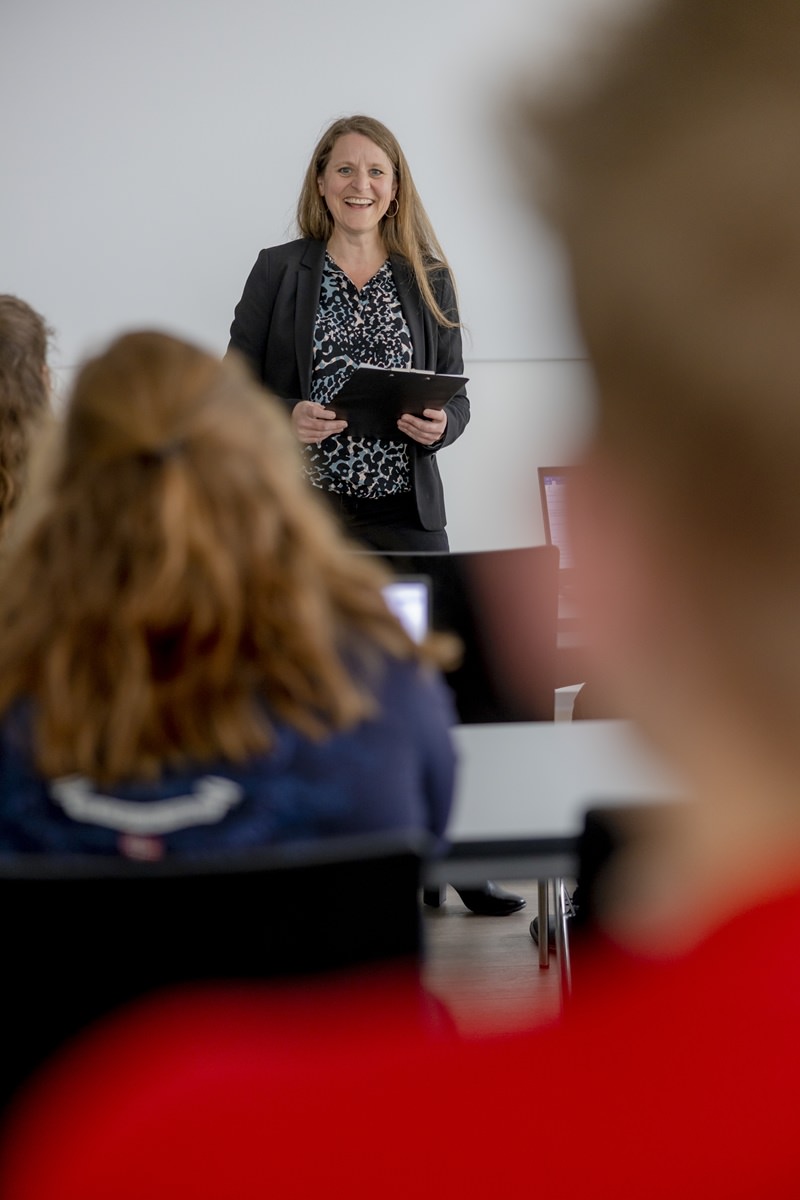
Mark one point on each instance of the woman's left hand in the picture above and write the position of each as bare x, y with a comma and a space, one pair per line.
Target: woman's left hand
427, 429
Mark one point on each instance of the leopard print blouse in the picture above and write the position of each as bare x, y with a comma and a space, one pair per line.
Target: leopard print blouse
352, 328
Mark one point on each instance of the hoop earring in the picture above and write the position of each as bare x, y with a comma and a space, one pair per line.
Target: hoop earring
390, 215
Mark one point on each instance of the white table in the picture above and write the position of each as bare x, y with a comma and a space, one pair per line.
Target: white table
522, 792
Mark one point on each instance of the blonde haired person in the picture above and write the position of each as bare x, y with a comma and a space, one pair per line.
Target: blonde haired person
24, 396
184, 623
366, 283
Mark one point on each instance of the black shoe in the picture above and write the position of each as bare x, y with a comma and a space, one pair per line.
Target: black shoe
489, 900
551, 930
570, 911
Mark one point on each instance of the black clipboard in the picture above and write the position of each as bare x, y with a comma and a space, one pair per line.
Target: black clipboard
373, 398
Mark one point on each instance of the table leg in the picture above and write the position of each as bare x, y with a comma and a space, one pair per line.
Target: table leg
562, 938
544, 946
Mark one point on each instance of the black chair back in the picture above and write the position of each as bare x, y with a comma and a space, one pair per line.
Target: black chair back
83, 936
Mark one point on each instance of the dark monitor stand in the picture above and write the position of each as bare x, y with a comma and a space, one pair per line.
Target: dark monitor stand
503, 605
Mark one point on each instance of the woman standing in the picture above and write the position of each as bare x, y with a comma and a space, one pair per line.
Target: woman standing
366, 283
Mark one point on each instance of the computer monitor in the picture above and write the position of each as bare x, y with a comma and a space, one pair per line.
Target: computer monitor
553, 491
503, 605
553, 484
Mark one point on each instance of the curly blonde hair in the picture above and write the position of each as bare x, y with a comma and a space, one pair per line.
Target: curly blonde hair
409, 233
183, 581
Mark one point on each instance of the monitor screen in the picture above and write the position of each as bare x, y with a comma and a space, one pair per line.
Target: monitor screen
553, 483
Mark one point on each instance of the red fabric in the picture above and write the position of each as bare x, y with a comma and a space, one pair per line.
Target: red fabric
663, 1080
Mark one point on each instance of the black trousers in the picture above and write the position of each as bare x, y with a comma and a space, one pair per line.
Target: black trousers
388, 523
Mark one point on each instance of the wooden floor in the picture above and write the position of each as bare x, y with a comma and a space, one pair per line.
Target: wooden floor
486, 969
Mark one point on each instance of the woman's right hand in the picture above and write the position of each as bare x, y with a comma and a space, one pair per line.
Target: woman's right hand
314, 422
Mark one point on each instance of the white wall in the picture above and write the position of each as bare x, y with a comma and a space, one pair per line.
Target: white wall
524, 415
149, 150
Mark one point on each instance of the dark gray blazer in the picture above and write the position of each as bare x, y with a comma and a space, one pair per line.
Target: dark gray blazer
273, 327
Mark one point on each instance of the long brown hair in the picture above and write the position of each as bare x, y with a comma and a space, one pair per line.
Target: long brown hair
409, 233
182, 579
24, 395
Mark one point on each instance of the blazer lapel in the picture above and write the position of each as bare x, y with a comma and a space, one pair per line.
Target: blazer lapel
309, 281
411, 304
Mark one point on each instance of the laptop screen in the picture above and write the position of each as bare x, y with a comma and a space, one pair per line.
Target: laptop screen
553, 491
409, 598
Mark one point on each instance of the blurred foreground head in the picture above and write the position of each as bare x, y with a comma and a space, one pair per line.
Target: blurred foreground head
180, 581
667, 161
24, 394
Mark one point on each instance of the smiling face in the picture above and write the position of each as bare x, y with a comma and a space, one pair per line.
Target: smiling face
358, 184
